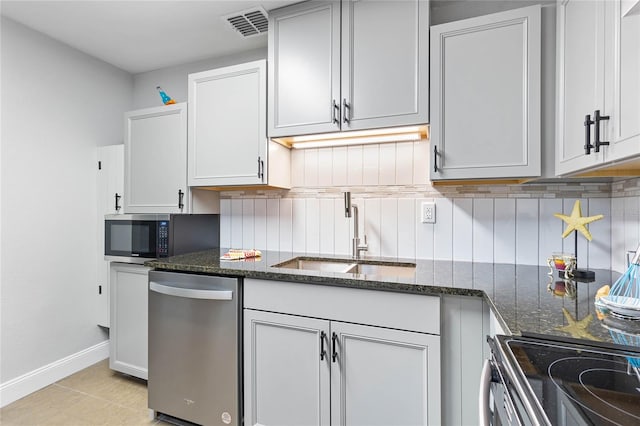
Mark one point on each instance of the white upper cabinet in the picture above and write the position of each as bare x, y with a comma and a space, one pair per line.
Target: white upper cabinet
155, 161
598, 85
623, 64
485, 97
385, 63
580, 81
304, 69
228, 130
348, 65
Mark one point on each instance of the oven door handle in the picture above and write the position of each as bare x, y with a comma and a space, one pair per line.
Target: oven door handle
191, 293
485, 391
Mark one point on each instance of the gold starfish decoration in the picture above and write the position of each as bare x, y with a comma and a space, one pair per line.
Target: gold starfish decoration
576, 222
577, 329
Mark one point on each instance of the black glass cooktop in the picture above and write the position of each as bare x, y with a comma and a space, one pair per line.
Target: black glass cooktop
578, 384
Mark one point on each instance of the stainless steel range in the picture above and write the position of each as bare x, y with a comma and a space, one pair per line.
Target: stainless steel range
542, 382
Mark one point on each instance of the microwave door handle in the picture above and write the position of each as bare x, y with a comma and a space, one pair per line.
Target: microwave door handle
191, 293
483, 397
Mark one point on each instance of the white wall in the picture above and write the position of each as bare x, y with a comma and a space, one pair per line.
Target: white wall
58, 105
174, 79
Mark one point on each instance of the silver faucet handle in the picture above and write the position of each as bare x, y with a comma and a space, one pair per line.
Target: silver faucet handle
363, 246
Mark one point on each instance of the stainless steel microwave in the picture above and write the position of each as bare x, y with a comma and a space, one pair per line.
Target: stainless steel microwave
136, 238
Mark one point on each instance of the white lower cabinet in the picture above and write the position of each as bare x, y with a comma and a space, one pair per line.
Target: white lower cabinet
129, 311
324, 371
383, 376
286, 382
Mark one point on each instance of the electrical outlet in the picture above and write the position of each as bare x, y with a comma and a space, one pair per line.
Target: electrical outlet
429, 212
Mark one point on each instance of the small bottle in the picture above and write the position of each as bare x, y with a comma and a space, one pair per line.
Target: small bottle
165, 98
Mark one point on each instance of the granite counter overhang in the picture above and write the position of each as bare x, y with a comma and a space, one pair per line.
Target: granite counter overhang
524, 298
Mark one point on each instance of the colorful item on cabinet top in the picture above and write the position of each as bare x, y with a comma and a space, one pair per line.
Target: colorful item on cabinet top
166, 99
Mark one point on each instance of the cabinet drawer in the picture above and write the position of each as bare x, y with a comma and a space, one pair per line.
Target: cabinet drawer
380, 308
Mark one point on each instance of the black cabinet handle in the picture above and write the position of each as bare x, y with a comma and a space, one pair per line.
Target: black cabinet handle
180, 197
336, 113
118, 201
323, 335
597, 118
587, 134
435, 158
345, 107
260, 169
334, 355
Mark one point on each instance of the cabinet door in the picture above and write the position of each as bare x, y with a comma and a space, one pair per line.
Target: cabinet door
227, 125
304, 74
580, 80
485, 96
110, 184
385, 377
385, 63
623, 103
129, 312
285, 380
155, 161
110, 179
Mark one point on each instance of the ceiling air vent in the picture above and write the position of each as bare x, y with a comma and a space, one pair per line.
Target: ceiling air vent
250, 22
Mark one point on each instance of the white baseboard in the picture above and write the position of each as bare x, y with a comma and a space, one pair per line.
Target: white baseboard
32, 381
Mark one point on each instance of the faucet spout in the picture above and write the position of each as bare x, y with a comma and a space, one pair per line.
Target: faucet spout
349, 208
347, 204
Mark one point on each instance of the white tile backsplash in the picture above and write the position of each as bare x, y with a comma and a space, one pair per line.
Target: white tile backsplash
273, 224
298, 225
483, 229
354, 165
527, 231
443, 230
632, 228
389, 182
389, 227
248, 223
372, 225
260, 222
504, 237
407, 224
371, 170
462, 226
549, 230
339, 166
286, 225
424, 233
404, 161
312, 225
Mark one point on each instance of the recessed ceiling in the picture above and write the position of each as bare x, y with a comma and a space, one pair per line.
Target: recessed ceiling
139, 36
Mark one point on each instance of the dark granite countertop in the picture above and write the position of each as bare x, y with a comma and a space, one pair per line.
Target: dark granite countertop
524, 298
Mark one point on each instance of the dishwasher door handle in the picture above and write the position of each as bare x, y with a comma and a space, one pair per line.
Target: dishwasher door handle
191, 293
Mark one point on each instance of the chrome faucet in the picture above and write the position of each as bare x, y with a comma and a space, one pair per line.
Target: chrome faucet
356, 247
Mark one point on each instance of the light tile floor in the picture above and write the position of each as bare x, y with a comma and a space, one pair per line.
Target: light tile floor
94, 396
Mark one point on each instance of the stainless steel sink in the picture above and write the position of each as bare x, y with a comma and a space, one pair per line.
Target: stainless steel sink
311, 264
365, 268
384, 270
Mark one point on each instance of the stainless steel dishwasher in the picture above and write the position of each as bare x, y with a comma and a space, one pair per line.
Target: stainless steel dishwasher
195, 348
